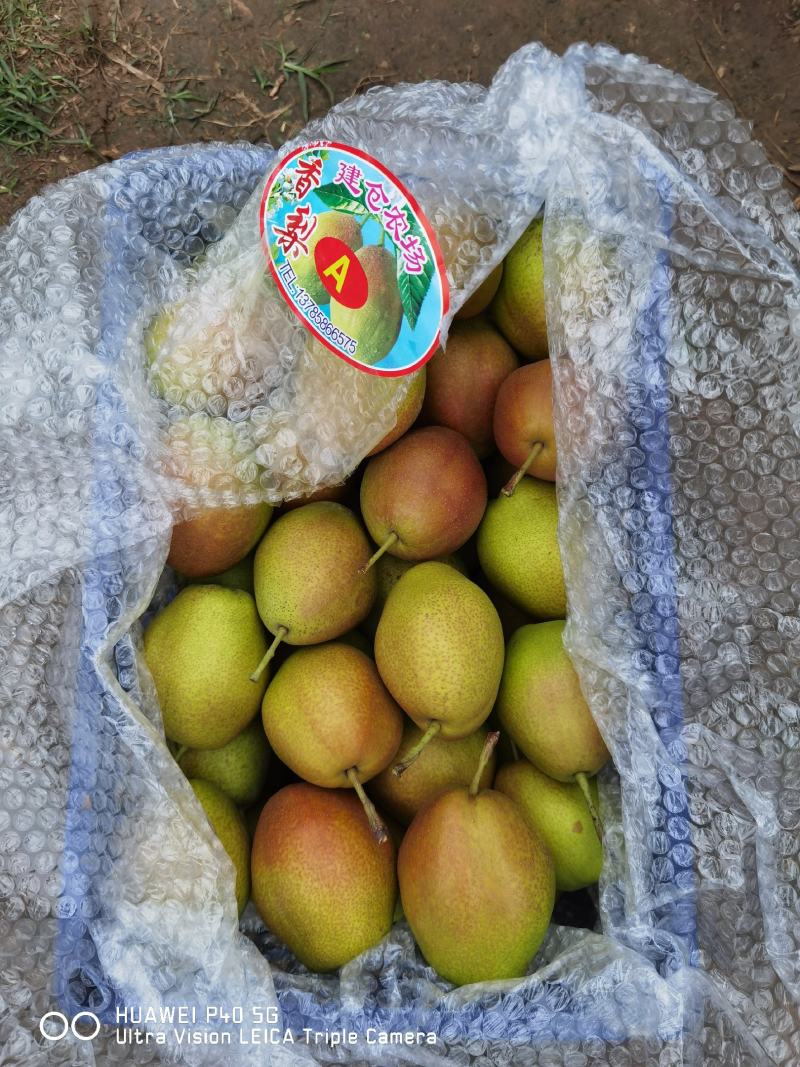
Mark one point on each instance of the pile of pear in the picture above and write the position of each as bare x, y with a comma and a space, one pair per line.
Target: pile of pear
334, 678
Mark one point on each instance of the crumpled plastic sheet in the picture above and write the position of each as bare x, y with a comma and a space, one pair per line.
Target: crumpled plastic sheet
671, 251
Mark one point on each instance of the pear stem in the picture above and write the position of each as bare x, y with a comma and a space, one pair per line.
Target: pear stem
400, 768
392, 539
583, 782
280, 633
375, 822
488, 749
519, 474
180, 753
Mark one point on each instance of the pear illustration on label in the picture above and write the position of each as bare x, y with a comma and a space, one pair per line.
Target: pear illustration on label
354, 257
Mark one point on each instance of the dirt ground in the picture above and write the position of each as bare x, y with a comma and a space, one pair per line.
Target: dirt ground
83, 82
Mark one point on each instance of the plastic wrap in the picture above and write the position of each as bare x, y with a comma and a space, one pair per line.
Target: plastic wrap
672, 295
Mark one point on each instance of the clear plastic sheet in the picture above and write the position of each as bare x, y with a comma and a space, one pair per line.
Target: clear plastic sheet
671, 252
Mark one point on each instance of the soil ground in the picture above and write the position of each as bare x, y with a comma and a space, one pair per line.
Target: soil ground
83, 82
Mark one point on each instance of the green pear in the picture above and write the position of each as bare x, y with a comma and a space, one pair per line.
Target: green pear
443, 765
518, 549
483, 295
330, 719
477, 884
375, 326
239, 768
321, 881
329, 224
439, 649
229, 826
310, 576
199, 650
518, 308
558, 812
388, 572
541, 705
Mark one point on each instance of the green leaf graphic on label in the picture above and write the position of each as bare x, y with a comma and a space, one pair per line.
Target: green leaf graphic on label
413, 289
334, 196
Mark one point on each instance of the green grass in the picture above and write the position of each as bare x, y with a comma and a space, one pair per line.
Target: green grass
31, 91
290, 65
178, 103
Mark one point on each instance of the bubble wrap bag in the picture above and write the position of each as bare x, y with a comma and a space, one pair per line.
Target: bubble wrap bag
148, 367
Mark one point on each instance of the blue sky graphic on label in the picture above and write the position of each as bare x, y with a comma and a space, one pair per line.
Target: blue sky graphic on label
354, 257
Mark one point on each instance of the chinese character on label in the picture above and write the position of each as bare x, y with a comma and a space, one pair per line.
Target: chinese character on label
348, 246
396, 223
414, 257
376, 197
293, 237
350, 176
309, 173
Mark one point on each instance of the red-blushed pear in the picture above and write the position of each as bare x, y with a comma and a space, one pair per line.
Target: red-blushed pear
407, 411
320, 880
330, 718
217, 538
439, 649
310, 577
477, 884
463, 380
483, 295
523, 423
424, 496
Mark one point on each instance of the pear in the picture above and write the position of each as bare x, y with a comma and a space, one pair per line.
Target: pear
229, 826
541, 705
464, 379
523, 423
483, 295
199, 650
310, 576
443, 765
329, 224
388, 571
518, 308
424, 496
518, 549
321, 881
330, 719
558, 812
407, 411
375, 326
439, 649
239, 768
216, 539
476, 883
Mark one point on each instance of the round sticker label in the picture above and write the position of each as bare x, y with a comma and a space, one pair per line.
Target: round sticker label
354, 257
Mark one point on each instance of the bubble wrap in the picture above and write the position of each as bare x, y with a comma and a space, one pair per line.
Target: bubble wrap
671, 254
